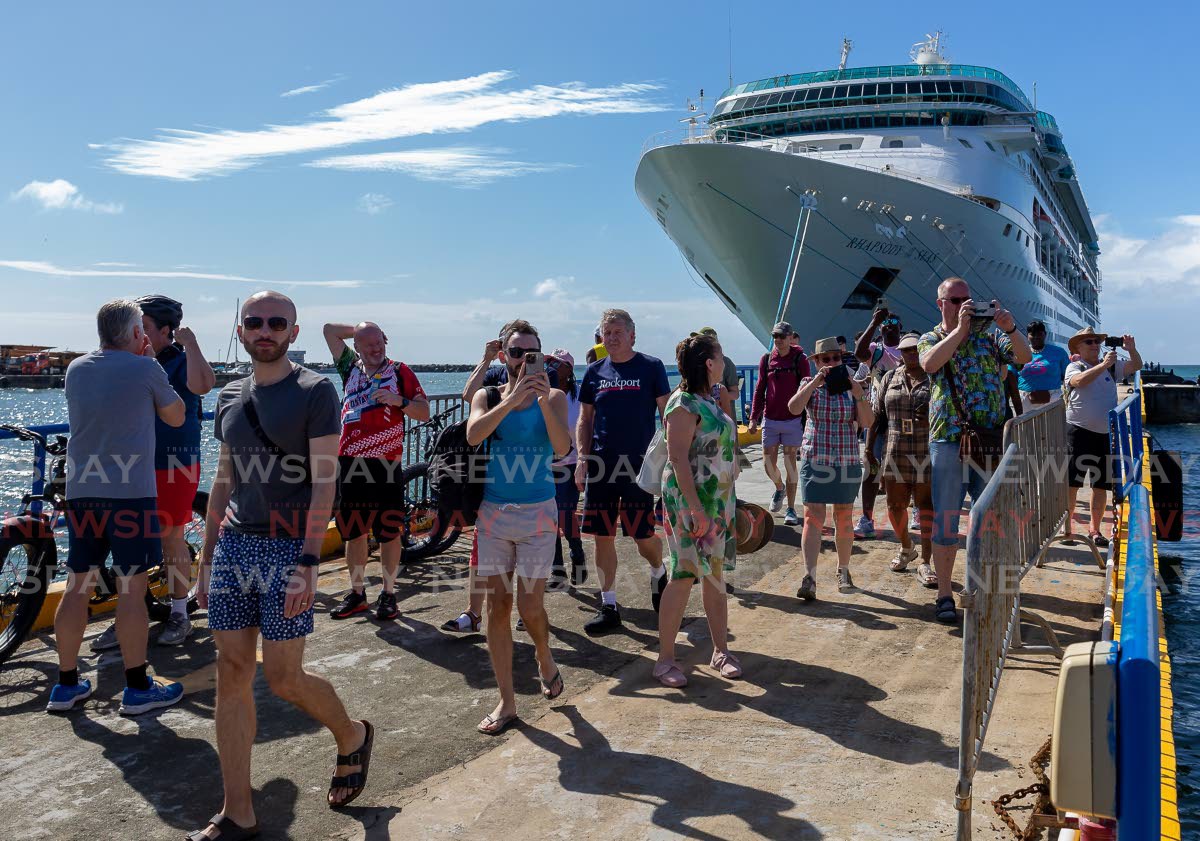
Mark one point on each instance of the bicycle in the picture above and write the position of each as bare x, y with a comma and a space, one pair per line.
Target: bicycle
29, 558
428, 530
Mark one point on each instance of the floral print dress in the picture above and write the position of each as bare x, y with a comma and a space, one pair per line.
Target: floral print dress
713, 459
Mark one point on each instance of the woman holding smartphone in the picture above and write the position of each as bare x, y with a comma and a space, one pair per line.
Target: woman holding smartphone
699, 505
830, 461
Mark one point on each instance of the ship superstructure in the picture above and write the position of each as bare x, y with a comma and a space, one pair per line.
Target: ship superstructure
813, 196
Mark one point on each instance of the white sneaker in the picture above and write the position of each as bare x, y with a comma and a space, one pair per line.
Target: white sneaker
791, 518
777, 502
865, 530
178, 629
914, 522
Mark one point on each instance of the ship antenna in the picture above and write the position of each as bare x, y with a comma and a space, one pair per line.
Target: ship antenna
929, 51
847, 44
729, 20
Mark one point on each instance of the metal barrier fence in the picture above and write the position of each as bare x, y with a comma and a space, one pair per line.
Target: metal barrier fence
1125, 438
1015, 520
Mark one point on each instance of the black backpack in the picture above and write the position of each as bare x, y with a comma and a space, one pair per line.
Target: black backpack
457, 470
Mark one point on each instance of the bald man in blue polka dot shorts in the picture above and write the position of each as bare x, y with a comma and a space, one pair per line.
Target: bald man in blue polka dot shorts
267, 516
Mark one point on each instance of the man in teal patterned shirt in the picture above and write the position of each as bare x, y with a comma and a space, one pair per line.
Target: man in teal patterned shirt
979, 357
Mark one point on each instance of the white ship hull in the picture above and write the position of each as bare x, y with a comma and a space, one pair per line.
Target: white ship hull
727, 207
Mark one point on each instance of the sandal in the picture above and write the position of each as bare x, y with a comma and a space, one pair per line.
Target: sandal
456, 625
548, 686
903, 558
944, 611
492, 726
227, 829
670, 675
926, 574
356, 781
1100, 540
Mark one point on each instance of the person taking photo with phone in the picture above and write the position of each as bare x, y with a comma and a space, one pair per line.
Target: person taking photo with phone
830, 462
1090, 390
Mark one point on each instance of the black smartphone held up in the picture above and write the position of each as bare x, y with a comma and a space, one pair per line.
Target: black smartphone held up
837, 381
1114, 342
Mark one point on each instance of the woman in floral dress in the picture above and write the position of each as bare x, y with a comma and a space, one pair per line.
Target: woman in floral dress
699, 503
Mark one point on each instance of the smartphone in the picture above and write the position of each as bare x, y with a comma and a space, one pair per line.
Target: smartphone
985, 311
837, 381
1113, 342
535, 361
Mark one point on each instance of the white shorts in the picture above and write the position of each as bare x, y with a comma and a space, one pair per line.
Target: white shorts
517, 538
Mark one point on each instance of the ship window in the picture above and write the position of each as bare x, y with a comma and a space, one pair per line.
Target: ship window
943, 87
988, 144
964, 142
855, 90
927, 87
826, 93
773, 99
839, 92
1008, 229
885, 88
842, 147
869, 90
956, 87
895, 144
789, 96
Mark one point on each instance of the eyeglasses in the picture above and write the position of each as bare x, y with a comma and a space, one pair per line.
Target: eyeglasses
1089, 342
519, 352
958, 299
276, 323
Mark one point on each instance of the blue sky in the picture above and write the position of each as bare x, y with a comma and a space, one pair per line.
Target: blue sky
442, 171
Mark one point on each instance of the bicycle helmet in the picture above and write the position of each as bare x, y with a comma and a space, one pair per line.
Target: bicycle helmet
166, 312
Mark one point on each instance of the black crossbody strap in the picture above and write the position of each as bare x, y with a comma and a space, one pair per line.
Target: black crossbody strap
252, 417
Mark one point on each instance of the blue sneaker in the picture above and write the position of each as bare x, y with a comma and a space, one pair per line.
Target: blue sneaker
162, 693
63, 698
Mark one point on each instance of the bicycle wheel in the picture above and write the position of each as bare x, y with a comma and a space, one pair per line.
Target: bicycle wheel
159, 606
26, 567
426, 531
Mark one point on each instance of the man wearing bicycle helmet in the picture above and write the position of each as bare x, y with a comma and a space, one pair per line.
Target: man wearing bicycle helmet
177, 450
379, 394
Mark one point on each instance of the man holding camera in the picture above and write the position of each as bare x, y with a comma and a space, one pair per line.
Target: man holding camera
967, 361
1090, 389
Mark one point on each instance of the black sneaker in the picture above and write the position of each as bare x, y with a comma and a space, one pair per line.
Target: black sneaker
354, 603
657, 585
579, 570
557, 582
385, 607
606, 620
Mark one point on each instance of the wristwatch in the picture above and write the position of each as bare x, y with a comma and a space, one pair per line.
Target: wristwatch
308, 560
1010, 332
404, 401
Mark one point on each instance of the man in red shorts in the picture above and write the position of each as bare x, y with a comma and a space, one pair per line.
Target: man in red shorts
379, 394
176, 455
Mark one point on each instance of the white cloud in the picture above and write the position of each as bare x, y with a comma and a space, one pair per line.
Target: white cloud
115, 264
374, 203
460, 165
319, 86
553, 287
60, 194
451, 106
43, 268
1172, 257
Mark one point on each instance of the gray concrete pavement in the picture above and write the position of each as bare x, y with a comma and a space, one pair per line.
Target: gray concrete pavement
845, 726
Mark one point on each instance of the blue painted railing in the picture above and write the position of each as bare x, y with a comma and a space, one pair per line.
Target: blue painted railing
1139, 711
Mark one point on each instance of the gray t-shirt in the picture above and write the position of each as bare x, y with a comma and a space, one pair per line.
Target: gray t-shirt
271, 493
112, 396
1088, 407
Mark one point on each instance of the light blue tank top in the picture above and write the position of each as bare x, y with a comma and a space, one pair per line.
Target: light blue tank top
519, 470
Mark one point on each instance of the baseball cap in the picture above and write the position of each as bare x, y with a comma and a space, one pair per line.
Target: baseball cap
909, 340
782, 329
706, 331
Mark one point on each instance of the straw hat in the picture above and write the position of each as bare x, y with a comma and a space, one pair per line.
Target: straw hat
829, 345
1086, 333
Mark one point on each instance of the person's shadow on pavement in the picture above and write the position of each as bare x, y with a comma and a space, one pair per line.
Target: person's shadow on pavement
679, 792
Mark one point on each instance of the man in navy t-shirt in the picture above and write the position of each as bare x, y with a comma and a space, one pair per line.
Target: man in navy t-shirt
621, 395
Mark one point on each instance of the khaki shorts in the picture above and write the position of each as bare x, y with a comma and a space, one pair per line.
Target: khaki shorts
517, 538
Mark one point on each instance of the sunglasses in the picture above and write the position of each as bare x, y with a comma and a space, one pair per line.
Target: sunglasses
1090, 342
276, 323
958, 299
519, 352
832, 359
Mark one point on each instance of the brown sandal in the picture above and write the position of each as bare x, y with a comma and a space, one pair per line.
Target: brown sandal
229, 831
357, 780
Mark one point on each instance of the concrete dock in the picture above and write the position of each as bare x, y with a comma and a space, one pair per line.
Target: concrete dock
845, 725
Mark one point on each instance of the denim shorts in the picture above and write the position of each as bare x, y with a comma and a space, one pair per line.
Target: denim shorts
128, 528
248, 586
952, 480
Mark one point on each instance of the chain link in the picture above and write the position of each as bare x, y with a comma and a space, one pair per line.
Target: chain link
1041, 788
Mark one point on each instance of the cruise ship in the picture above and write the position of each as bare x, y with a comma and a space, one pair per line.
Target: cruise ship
815, 197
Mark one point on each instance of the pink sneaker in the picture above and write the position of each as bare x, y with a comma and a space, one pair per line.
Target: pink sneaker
727, 664
669, 674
